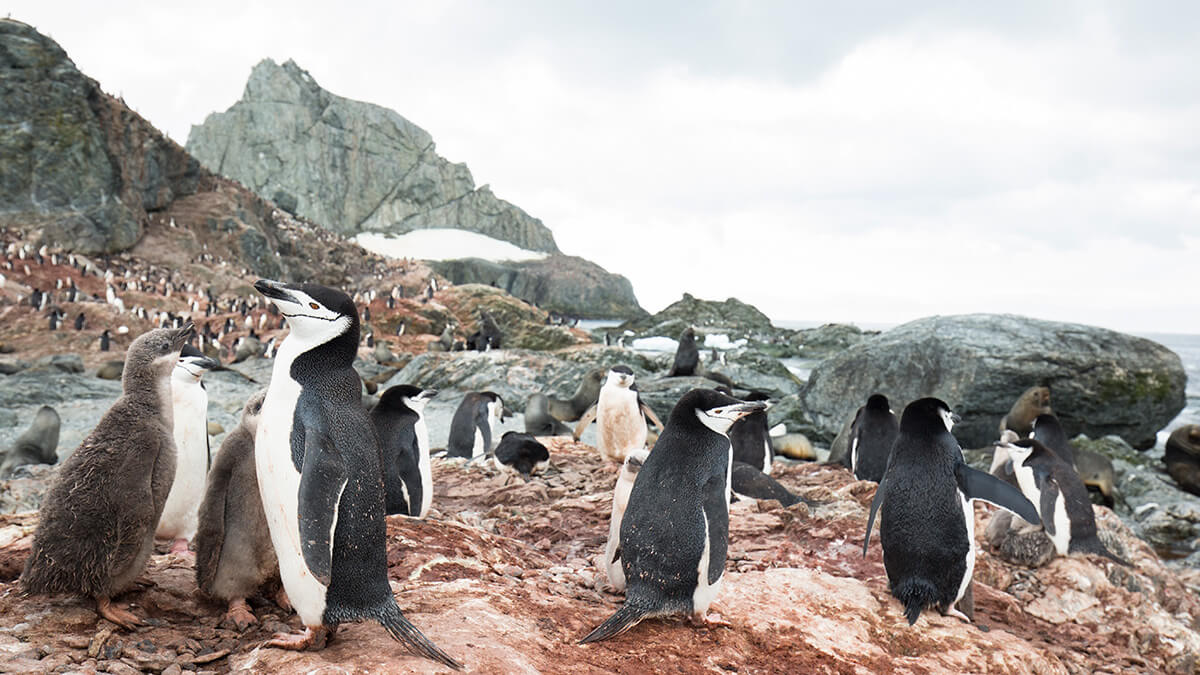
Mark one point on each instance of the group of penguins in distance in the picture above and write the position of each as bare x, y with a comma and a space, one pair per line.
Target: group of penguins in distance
301, 487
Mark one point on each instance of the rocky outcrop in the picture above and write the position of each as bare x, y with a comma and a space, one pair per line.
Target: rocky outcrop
558, 283
1101, 382
523, 326
732, 316
349, 165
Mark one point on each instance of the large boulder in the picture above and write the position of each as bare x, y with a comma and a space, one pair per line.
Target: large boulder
349, 165
731, 316
1102, 382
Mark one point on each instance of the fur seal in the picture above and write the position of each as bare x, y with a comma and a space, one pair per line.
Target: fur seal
1182, 457
189, 402
399, 421
586, 395
320, 475
687, 356
927, 524
234, 556
1096, 470
1032, 402
675, 531
38, 445
620, 416
539, 421
871, 436
520, 454
96, 526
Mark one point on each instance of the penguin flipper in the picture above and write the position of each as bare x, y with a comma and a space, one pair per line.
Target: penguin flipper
1050, 494
650, 414
626, 617
585, 421
322, 480
976, 484
875, 502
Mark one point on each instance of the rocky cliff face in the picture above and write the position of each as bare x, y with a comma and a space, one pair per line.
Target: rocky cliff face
349, 165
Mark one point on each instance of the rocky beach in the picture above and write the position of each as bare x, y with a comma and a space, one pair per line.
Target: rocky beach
109, 229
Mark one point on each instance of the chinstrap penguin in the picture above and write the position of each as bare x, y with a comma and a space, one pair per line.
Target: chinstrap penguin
620, 416
189, 402
473, 426
747, 481
675, 530
399, 421
751, 438
871, 436
96, 526
620, 501
520, 454
320, 475
926, 521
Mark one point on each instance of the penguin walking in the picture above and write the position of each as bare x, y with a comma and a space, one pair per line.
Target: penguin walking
620, 502
675, 530
926, 522
189, 402
234, 557
872, 433
399, 421
1060, 498
620, 416
96, 527
520, 454
320, 477
474, 425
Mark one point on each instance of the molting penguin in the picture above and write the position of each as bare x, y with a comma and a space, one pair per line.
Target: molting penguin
539, 421
234, 557
687, 356
871, 436
189, 402
1032, 402
474, 425
320, 477
520, 454
38, 445
620, 416
751, 438
399, 420
1059, 497
96, 526
927, 524
620, 501
675, 531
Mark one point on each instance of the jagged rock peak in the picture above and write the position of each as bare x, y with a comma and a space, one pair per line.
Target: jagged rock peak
348, 165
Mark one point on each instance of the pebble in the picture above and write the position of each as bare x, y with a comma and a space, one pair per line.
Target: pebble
172, 669
120, 668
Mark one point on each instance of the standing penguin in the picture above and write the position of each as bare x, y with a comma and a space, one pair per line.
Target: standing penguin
620, 416
234, 557
189, 402
1049, 432
1060, 498
320, 477
675, 532
926, 522
687, 356
520, 454
474, 425
96, 526
871, 436
751, 438
399, 421
620, 502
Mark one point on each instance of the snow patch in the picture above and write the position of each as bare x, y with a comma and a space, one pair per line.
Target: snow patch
443, 244
655, 344
722, 342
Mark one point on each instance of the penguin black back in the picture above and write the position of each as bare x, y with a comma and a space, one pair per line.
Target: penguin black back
521, 453
872, 434
751, 437
396, 419
1048, 431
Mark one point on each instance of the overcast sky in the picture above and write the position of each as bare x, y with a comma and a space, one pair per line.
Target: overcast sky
866, 162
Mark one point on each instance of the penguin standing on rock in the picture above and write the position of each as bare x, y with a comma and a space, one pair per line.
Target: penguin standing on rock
751, 438
474, 425
620, 502
96, 526
927, 524
675, 531
871, 436
399, 420
320, 477
620, 416
189, 402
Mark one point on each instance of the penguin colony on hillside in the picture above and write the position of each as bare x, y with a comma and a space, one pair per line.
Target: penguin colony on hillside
299, 491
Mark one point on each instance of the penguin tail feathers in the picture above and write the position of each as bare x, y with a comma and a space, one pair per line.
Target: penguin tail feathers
1097, 547
915, 595
627, 617
402, 630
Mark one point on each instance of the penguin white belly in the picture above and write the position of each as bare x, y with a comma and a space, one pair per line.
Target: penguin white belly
1062, 527
279, 486
703, 596
477, 448
969, 519
423, 467
616, 573
180, 515
766, 467
854, 455
620, 425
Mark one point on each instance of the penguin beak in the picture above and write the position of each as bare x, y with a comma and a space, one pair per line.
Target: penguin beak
182, 336
955, 418
429, 393
737, 411
274, 290
201, 362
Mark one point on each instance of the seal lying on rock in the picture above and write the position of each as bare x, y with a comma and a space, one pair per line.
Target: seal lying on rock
1183, 457
38, 445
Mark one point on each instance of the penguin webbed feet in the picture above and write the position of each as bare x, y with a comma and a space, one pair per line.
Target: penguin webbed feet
311, 639
239, 617
116, 613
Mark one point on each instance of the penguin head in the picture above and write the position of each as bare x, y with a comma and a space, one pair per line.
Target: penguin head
155, 352
878, 402
253, 409
495, 405
714, 409
620, 376
1047, 422
412, 397
928, 415
1021, 451
192, 363
316, 314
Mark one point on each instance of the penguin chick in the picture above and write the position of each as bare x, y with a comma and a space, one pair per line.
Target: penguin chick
96, 525
675, 531
234, 557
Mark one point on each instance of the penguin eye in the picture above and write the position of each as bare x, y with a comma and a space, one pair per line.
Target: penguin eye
314, 305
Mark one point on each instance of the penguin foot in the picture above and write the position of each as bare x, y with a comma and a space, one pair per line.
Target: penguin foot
311, 638
116, 614
180, 547
707, 620
282, 600
956, 614
239, 617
